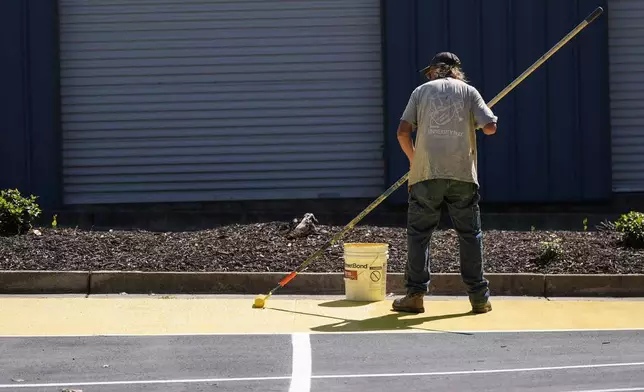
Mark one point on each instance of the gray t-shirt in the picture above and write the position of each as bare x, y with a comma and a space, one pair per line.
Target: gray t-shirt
446, 113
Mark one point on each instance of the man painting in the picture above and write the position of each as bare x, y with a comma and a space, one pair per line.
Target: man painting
445, 112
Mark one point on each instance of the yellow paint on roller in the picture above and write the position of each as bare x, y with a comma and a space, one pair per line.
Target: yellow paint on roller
153, 316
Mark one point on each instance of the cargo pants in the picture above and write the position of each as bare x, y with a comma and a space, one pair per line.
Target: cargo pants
425, 202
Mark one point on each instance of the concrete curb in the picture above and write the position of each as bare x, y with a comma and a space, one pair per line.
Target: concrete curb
105, 282
594, 285
110, 282
44, 282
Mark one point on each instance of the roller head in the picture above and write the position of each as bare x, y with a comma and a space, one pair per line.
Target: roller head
259, 303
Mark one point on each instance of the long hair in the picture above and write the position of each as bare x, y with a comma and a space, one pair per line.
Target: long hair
449, 71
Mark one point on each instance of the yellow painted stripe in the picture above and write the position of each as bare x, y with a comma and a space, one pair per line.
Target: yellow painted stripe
156, 316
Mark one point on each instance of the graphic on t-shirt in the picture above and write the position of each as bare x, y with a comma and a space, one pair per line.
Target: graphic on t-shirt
444, 108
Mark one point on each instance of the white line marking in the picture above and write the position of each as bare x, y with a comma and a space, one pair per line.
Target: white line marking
614, 390
331, 376
490, 371
139, 382
554, 330
383, 331
301, 378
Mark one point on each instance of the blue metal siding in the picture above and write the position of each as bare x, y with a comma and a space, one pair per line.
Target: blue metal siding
12, 148
554, 138
29, 99
594, 123
553, 143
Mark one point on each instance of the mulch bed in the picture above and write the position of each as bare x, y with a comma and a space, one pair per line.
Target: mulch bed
265, 247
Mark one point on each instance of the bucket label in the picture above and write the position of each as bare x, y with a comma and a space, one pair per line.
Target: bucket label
377, 268
375, 276
353, 275
354, 265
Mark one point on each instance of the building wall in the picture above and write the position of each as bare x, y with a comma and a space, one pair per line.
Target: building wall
553, 143
190, 101
29, 151
554, 136
626, 43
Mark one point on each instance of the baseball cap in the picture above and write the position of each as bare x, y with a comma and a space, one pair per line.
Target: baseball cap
443, 58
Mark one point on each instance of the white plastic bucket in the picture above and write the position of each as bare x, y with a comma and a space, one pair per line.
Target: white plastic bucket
365, 271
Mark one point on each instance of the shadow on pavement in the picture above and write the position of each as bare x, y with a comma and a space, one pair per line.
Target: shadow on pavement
390, 322
344, 304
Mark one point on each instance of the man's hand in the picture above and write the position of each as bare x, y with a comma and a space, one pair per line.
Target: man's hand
489, 129
404, 138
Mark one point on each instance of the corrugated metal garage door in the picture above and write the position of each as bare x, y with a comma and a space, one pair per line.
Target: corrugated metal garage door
166, 100
626, 43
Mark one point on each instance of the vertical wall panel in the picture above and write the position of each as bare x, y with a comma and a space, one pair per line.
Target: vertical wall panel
44, 122
465, 37
594, 105
562, 127
12, 95
400, 75
531, 126
551, 145
28, 99
497, 153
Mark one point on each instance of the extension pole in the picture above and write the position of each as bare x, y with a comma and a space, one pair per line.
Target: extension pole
259, 302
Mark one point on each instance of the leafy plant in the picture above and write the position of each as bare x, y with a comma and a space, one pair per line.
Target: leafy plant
54, 222
585, 224
606, 226
631, 226
17, 213
550, 250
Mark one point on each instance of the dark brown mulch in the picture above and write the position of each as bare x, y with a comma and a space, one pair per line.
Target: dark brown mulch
265, 247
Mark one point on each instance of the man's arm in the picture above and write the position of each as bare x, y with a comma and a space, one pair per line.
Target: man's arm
404, 138
408, 121
483, 114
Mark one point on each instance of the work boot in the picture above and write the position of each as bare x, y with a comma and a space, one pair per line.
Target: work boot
410, 303
482, 308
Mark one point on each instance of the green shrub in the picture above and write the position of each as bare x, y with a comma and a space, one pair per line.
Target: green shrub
17, 213
631, 225
550, 250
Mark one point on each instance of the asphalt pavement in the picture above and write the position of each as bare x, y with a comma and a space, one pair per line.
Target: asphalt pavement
301, 344
508, 361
